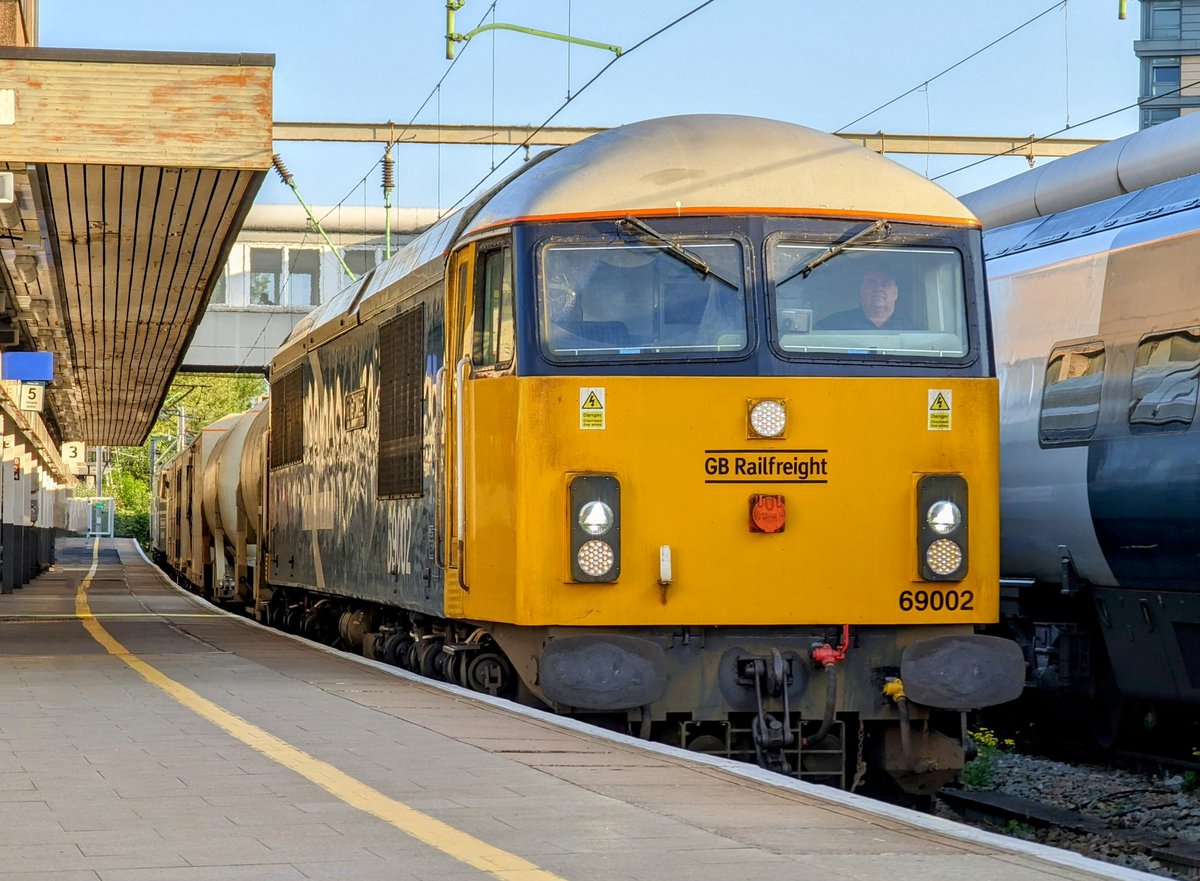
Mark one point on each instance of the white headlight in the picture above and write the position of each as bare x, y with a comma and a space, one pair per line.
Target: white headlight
943, 517
596, 558
768, 418
943, 557
595, 518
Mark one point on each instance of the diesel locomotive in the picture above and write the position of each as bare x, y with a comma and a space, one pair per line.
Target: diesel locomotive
636, 437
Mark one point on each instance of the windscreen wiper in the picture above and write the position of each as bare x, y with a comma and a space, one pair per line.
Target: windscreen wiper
674, 249
833, 250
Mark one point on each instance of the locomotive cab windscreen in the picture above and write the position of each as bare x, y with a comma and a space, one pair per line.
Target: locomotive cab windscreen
612, 298
869, 301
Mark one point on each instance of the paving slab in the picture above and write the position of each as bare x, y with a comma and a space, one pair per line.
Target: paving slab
164, 740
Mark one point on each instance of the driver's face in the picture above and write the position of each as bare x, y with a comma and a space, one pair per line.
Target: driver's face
877, 296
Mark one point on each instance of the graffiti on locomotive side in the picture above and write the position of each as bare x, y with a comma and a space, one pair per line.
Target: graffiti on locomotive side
409, 542
770, 466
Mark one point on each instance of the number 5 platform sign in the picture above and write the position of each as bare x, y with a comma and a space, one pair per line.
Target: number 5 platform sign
33, 396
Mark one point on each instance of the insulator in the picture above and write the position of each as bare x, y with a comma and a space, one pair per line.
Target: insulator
281, 169
389, 170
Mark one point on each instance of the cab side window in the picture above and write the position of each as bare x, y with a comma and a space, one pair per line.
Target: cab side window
1071, 395
494, 325
1165, 379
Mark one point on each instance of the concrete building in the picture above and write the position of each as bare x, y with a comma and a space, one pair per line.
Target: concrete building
280, 268
1169, 52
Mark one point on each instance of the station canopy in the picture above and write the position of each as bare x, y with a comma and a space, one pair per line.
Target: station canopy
132, 174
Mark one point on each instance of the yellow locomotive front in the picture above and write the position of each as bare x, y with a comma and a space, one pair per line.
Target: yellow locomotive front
730, 473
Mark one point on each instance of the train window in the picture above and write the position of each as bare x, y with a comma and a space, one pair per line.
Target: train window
868, 301
632, 301
287, 419
1166, 375
401, 404
1071, 395
493, 338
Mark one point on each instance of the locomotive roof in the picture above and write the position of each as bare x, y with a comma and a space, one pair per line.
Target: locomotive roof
699, 164
1126, 210
705, 163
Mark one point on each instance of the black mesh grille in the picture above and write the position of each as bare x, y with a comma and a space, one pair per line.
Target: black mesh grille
287, 420
401, 355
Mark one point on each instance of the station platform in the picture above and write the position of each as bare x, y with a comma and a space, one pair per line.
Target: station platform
145, 734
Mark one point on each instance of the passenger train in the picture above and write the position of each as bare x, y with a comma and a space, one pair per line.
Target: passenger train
600, 442
1097, 322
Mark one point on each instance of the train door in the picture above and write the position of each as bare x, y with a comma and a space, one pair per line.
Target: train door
483, 337
459, 278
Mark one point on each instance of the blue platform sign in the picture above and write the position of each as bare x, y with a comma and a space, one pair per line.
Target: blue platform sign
27, 366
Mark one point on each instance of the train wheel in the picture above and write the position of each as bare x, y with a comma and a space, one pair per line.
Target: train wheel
293, 618
429, 655
395, 649
456, 669
490, 673
412, 660
320, 624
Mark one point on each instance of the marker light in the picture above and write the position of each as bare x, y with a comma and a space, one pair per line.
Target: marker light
943, 517
596, 558
943, 557
768, 418
942, 527
593, 510
595, 518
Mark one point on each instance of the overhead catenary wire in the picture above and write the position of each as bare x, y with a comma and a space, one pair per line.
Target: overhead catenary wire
529, 138
959, 63
396, 138
1013, 150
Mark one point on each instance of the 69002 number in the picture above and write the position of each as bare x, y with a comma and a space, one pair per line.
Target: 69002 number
937, 600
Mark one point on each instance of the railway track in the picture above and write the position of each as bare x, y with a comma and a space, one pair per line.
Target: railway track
1141, 823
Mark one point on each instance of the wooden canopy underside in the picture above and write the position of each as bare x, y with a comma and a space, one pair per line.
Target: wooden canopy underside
133, 173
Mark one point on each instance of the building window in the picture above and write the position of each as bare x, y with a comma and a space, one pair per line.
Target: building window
1166, 373
1155, 115
1164, 20
493, 346
220, 294
1162, 76
401, 404
304, 276
266, 269
1071, 396
360, 261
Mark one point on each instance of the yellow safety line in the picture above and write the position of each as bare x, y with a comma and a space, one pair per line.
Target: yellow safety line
52, 616
446, 838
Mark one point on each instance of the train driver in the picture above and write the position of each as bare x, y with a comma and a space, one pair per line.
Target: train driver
876, 310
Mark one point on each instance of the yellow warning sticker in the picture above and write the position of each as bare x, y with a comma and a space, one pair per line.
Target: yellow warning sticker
941, 405
591, 408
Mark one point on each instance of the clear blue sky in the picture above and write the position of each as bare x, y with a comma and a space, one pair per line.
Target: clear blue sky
818, 64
